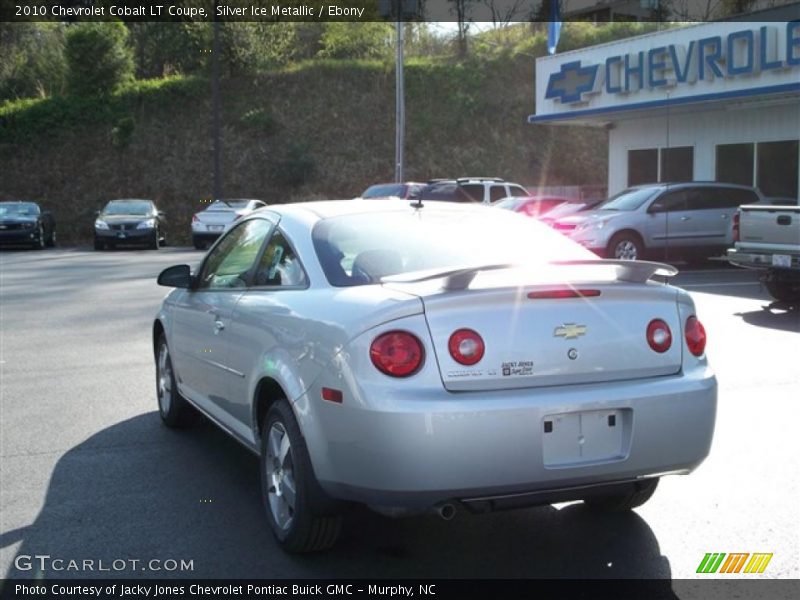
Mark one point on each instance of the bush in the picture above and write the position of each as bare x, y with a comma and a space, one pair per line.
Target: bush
261, 120
32, 62
296, 168
356, 40
99, 59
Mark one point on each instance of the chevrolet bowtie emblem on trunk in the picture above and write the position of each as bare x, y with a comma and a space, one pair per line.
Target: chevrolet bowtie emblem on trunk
570, 331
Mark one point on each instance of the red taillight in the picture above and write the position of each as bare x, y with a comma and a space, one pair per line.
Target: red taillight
563, 293
695, 336
736, 218
195, 219
659, 337
397, 353
466, 346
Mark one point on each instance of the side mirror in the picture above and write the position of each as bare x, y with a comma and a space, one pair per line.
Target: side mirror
161, 213
179, 276
97, 213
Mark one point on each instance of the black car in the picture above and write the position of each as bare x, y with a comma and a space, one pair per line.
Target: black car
25, 224
129, 222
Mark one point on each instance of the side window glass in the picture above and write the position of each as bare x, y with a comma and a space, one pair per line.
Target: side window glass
671, 201
474, 191
279, 265
704, 199
496, 192
518, 191
228, 264
735, 198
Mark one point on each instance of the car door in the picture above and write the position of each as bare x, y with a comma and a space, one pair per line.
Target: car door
668, 220
497, 192
202, 315
266, 327
710, 219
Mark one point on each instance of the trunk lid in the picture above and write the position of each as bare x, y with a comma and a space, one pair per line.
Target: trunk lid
532, 339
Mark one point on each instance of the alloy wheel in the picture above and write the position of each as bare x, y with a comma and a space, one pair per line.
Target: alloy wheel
164, 380
282, 488
626, 250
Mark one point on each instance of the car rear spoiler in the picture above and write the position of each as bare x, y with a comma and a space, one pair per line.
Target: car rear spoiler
459, 278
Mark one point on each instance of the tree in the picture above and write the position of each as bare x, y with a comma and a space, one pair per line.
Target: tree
32, 61
356, 40
99, 59
504, 11
462, 10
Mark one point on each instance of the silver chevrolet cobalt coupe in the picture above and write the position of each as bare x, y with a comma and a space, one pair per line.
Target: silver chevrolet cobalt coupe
432, 357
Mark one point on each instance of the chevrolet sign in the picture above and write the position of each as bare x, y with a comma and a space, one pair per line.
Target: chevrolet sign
743, 53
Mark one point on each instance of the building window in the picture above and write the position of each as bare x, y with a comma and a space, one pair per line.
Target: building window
652, 165
777, 168
677, 164
735, 163
642, 166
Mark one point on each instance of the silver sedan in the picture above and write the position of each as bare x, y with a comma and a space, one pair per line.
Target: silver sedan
432, 357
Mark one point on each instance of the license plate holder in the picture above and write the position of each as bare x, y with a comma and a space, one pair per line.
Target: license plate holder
781, 260
216, 228
577, 438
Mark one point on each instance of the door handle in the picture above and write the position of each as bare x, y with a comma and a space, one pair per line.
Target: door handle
724, 216
218, 326
685, 218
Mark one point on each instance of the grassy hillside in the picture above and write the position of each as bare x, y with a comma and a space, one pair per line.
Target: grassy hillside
318, 130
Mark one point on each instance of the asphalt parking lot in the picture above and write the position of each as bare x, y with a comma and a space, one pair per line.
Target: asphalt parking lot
87, 471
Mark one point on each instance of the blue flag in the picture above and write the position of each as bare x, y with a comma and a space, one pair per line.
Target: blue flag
553, 28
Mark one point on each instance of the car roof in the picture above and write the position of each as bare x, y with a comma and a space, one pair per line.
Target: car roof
666, 184
324, 209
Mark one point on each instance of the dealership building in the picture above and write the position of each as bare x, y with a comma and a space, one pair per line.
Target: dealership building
717, 101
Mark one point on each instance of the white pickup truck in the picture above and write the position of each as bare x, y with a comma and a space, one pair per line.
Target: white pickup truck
768, 238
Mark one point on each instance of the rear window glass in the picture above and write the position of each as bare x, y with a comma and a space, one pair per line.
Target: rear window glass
448, 192
221, 205
359, 249
384, 191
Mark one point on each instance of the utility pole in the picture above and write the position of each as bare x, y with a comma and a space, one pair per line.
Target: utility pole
400, 105
215, 110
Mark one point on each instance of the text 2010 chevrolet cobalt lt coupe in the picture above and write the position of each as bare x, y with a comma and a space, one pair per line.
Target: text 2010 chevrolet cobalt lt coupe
432, 357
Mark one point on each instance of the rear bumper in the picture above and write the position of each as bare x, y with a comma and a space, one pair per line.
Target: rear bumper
759, 260
418, 448
200, 236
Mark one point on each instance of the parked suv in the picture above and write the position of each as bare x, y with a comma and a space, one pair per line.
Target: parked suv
662, 221
472, 189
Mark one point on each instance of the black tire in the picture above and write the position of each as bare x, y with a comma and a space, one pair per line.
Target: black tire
154, 242
311, 522
175, 411
40, 242
198, 244
51, 240
98, 245
783, 290
625, 245
642, 492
